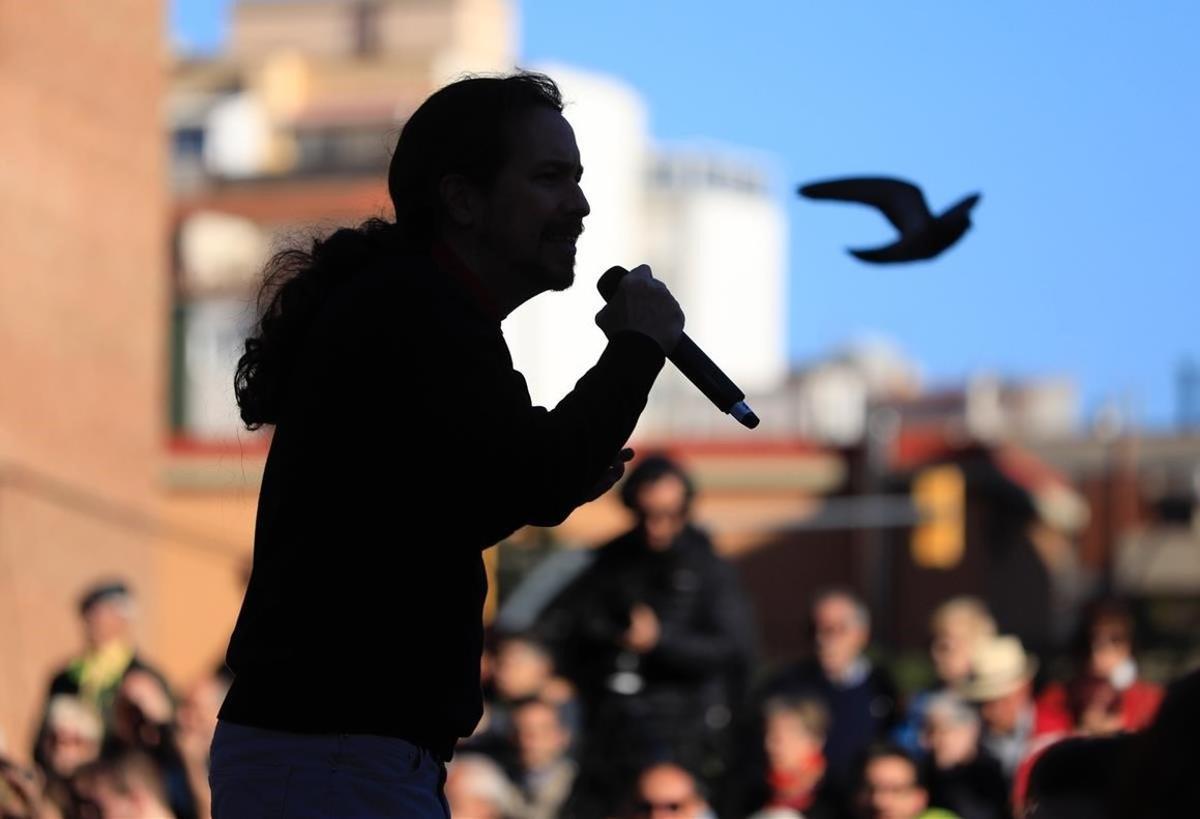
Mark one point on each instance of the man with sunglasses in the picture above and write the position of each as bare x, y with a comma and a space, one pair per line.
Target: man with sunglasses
667, 791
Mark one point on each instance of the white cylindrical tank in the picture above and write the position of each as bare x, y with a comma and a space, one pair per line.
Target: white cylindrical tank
720, 242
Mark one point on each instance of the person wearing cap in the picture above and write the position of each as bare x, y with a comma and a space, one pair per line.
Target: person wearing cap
1000, 682
106, 611
666, 790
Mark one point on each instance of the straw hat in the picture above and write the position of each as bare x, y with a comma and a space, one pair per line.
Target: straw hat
999, 666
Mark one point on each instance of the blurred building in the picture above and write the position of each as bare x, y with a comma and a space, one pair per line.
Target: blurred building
1143, 537
286, 135
82, 327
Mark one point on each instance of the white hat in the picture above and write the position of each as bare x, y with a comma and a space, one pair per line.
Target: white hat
999, 666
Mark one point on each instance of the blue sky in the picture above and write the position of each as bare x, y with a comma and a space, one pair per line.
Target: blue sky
1078, 121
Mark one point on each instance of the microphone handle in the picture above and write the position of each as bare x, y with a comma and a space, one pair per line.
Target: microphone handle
694, 363
706, 375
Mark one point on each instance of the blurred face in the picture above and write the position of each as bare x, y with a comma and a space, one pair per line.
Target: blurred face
1002, 714
104, 622
534, 212
840, 635
667, 792
67, 749
890, 790
540, 736
662, 511
1110, 648
950, 742
134, 802
951, 649
789, 744
521, 670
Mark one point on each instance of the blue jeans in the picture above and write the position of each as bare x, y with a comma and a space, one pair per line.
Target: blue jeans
261, 774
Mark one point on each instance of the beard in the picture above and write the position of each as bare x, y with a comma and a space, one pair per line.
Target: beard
555, 280
548, 263
555, 267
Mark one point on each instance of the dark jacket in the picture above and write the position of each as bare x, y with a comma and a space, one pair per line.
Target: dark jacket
706, 638
860, 713
408, 445
976, 790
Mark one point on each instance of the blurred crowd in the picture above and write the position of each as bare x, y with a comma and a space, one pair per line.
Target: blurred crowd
636, 691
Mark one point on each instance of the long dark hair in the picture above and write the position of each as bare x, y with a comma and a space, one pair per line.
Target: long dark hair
463, 129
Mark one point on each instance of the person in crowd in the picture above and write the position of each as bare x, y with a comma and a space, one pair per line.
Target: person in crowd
1001, 684
860, 695
106, 612
144, 724
196, 723
666, 790
657, 635
544, 772
523, 668
794, 732
1106, 693
71, 737
956, 628
126, 785
1149, 774
962, 777
890, 786
476, 788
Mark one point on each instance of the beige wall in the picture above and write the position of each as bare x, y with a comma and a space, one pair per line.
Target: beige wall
82, 312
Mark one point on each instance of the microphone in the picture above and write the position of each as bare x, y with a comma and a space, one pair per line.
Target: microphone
695, 365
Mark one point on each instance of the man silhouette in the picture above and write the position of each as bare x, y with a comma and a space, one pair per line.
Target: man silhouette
405, 444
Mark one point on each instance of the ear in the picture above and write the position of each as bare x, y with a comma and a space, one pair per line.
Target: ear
460, 199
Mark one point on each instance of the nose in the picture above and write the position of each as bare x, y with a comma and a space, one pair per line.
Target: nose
579, 206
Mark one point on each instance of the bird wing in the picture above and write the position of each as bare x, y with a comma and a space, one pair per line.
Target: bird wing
901, 251
901, 202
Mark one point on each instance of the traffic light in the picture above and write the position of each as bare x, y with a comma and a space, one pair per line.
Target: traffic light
939, 495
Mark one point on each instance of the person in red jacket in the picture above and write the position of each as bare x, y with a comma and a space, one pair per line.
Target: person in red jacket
1106, 694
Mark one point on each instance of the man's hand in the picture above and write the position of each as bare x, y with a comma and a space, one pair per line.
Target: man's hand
644, 629
644, 305
611, 475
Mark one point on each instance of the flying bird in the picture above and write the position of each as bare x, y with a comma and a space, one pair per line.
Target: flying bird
922, 235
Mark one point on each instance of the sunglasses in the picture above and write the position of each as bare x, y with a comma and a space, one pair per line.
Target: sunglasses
645, 808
